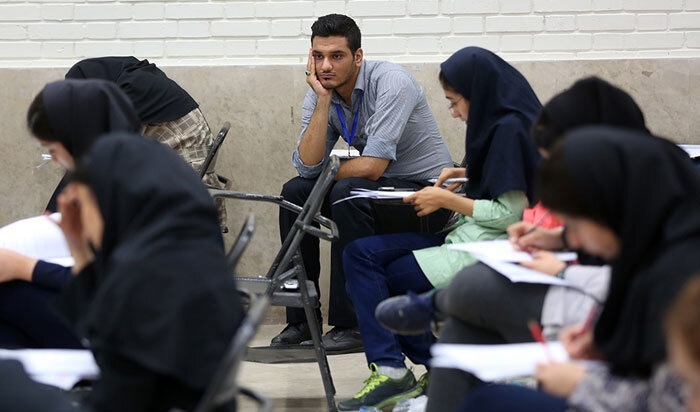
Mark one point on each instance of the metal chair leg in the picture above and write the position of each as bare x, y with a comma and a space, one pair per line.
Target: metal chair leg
315, 330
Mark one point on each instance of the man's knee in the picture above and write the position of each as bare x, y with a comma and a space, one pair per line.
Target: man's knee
296, 190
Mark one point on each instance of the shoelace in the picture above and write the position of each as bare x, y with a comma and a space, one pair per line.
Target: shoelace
371, 383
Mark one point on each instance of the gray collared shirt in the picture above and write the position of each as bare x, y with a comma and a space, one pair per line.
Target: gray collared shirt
395, 123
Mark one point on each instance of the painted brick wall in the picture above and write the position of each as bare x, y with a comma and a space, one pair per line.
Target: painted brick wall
59, 32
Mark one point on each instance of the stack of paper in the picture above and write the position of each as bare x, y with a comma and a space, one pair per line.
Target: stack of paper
376, 194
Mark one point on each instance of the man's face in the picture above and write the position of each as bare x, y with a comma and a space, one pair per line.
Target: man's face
335, 64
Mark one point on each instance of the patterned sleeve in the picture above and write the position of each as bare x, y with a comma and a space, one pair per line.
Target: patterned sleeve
311, 171
601, 391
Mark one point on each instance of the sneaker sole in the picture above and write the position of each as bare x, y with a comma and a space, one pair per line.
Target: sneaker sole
412, 393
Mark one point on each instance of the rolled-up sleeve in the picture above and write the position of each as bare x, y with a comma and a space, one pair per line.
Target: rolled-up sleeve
397, 95
304, 170
502, 212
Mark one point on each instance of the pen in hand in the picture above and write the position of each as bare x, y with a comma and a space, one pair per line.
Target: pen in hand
536, 332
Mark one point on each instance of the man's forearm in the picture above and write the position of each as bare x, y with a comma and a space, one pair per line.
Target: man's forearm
371, 168
312, 147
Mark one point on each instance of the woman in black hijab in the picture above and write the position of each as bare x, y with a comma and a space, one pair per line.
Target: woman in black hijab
158, 303
481, 306
598, 181
498, 105
67, 117
166, 111
152, 295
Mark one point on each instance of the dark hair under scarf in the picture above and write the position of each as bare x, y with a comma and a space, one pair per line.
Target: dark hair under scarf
588, 101
81, 110
159, 292
647, 191
156, 97
500, 154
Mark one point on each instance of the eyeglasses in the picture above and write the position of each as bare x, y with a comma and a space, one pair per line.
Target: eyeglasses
452, 105
45, 158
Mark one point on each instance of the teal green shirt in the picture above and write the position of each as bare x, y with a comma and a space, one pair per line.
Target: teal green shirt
490, 220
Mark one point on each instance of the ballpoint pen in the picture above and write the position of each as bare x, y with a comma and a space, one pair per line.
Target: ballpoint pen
536, 332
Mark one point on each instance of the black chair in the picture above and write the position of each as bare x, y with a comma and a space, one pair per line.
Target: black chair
241, 243
288, 264
210, 160
224, 387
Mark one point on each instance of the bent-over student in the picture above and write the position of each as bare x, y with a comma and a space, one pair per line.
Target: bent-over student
66, 117
597, 180
152, 296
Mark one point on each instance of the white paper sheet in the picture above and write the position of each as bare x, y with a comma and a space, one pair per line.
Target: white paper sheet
376, 194
58, 367
502, 250
38, 237
520, 274
496, 362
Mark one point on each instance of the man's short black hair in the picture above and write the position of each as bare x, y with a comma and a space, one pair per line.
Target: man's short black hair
338, 25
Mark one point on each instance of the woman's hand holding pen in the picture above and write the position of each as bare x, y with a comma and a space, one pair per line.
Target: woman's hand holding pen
528, 237
578, 342
559, 378
450, 173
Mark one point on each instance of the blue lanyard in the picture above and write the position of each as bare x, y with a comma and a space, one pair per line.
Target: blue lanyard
349, 137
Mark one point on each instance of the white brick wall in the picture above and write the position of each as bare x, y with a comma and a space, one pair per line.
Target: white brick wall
59, 32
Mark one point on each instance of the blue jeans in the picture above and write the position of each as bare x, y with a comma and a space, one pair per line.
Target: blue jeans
376, 268
510, 398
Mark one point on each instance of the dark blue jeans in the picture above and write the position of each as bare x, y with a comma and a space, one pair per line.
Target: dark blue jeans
510, 398
28, 318
377, 268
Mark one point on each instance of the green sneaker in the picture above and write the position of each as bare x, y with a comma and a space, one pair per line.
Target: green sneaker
423, 383
381, 391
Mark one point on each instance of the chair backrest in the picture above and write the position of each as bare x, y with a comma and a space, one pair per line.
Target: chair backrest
303, 224
241, 242
210, 160
223, 388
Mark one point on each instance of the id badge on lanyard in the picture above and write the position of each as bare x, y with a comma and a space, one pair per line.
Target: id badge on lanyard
349, 136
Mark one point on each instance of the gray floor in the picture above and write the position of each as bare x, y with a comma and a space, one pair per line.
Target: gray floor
298, 387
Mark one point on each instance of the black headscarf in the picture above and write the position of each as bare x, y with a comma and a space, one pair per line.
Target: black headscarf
81, 110
588, 101
156, 97
647, 190
500, 155
159, 292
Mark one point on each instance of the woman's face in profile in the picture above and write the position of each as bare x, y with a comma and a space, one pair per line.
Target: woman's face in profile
591, 236
59, 154
458, 105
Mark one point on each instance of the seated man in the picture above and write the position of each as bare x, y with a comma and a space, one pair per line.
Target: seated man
380, 110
